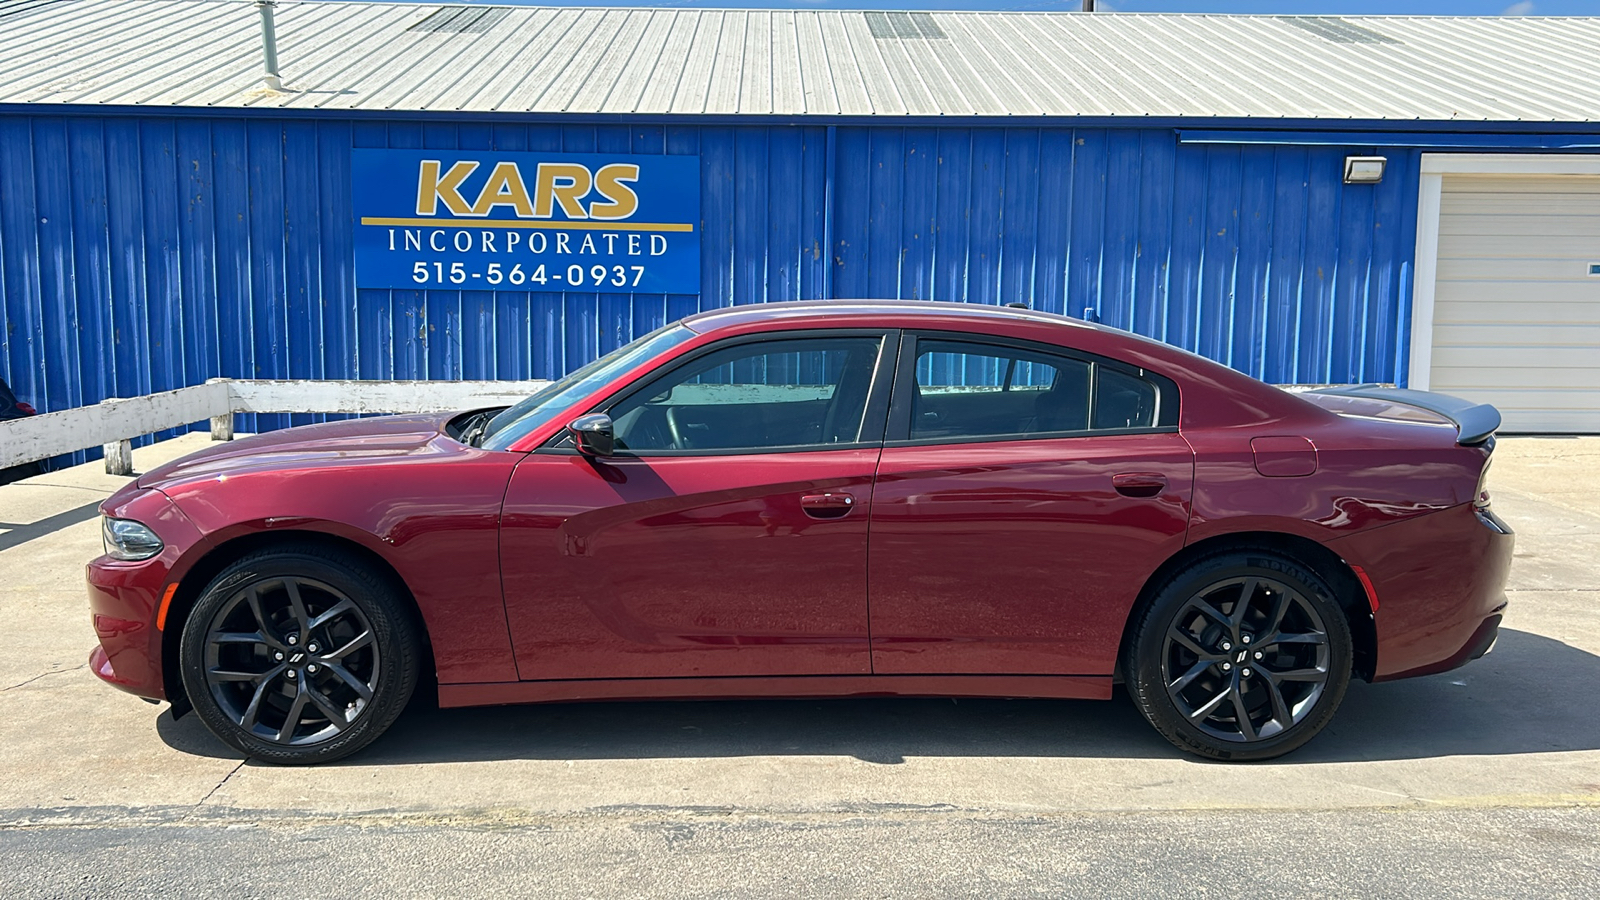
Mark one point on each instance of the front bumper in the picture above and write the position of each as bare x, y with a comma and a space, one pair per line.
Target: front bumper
1440, 581
125, 597
123, 601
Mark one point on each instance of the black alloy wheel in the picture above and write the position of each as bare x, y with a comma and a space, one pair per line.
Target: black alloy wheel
292, 661
298, 656
1242, 656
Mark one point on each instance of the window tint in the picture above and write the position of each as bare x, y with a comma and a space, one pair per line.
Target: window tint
971, 390
968, 390
793, 393
1123, 400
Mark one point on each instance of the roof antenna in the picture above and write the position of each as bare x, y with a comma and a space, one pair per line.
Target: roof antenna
1015, 305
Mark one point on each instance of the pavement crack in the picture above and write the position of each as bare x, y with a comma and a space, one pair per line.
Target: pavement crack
231, 772
70, 487
42, 675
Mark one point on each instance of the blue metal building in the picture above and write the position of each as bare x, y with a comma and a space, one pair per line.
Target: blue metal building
165, 219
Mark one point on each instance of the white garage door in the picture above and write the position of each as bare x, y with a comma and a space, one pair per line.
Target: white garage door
1516, 317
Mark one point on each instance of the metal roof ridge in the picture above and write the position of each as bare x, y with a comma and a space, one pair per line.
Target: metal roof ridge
1023, 13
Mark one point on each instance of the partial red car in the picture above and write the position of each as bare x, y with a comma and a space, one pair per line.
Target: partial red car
821, 499
13, 408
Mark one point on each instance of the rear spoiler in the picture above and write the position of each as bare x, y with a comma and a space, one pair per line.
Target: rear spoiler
1474, 422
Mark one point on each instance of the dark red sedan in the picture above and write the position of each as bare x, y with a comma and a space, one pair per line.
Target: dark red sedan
820, 499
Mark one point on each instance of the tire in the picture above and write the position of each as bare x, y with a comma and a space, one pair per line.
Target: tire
1220, 681
299, 655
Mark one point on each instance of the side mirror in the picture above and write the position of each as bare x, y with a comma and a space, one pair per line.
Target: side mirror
593, 434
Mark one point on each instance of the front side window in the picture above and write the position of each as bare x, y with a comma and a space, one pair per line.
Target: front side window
511, 425
799, 393
969, 390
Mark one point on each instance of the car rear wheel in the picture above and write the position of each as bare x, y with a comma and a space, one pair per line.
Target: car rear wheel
298, 656
1241, 656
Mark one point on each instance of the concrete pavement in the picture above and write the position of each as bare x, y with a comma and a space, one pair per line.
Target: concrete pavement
1425, 855
1517, 730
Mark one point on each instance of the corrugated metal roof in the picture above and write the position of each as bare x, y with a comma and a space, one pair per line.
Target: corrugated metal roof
401, 56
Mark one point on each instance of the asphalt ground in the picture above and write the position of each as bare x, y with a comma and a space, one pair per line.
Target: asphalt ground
1479, 782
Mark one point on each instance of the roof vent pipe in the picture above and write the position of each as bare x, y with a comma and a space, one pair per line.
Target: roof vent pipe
269, 45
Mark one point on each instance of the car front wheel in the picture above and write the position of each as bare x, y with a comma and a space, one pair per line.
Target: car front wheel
298, 655
1241, 656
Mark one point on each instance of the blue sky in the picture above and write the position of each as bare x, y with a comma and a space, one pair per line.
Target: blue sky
1369, 7
1279, 7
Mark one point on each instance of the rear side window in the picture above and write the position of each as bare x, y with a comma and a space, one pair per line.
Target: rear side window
971, 390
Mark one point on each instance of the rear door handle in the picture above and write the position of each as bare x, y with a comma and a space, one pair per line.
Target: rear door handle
1139, 484
832, 505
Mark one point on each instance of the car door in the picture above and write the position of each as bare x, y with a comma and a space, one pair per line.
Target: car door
1023, 497
726, 537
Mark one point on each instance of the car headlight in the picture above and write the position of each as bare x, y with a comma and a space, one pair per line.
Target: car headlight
128, 540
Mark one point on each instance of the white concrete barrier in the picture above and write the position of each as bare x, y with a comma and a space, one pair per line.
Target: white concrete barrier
107, 422
114, 423
374, 396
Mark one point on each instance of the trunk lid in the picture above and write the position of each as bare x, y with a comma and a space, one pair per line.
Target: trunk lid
1475, 423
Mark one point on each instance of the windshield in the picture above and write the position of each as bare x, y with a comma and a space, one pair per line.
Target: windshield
509, 426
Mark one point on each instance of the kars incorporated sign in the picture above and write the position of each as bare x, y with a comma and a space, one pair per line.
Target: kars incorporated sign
499, 221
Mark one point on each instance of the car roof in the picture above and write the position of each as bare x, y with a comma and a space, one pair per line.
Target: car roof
1016, 320
874, 309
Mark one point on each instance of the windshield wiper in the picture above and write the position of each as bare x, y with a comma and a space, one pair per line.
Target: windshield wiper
472, 432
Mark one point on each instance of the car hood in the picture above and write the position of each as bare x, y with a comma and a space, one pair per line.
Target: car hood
332, 443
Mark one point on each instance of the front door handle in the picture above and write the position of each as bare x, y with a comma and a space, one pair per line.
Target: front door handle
831, 505
1139, 484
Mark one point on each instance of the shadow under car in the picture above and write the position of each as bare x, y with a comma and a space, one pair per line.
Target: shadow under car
1524, 697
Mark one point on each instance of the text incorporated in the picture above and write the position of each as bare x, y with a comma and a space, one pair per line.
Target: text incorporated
494, 220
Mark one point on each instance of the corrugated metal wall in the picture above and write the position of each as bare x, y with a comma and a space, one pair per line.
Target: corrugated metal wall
139, 254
